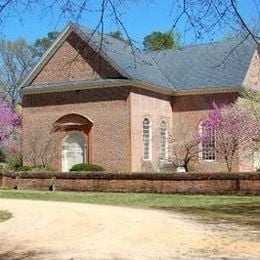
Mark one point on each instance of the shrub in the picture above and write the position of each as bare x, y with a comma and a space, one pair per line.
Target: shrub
37, 168
84, 167
2, 156
15, 163
258, 170
23, 168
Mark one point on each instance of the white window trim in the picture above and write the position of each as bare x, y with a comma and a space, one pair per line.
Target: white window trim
150, 152
201, 147
166, 142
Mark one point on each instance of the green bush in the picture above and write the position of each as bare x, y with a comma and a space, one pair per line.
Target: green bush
2, 156
15, 164
258, 170
84, 167
37, 168
23, 168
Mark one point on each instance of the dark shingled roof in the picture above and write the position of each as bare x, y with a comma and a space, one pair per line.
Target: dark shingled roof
205, 66
222, 64
133, 62
212, 65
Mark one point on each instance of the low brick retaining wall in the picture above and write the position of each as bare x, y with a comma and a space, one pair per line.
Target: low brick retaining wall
189, 183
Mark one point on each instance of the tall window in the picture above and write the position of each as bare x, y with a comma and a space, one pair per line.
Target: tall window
208, 143
163, 141
147, 139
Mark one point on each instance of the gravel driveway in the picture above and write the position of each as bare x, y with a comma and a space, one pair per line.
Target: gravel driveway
59, 230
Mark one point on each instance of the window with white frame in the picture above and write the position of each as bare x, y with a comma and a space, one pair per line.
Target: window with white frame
208, 143
147, 139
163, 141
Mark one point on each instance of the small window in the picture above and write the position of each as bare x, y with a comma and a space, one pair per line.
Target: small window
147, 139
208, 144
163, 141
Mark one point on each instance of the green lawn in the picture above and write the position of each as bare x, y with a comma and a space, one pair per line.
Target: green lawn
238, 209
4, 215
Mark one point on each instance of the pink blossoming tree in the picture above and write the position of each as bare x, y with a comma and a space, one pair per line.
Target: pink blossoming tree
234, 130
10, 122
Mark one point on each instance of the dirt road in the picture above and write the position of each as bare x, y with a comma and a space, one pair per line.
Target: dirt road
59, 230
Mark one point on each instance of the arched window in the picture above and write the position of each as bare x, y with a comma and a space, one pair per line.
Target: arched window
147, 139
163, 141
208, 142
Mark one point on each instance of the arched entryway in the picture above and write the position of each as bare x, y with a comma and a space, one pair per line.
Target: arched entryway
257, 160
73, 133
74, 150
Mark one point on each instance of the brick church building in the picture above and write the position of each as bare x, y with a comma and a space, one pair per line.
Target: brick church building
99, 100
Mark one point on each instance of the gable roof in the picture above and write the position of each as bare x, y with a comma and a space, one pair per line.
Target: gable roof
133, 62
206, 66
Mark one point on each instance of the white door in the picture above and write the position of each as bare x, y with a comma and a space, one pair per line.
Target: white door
257, 159
73, 150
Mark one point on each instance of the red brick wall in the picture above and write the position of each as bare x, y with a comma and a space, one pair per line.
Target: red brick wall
107, 109
74, 61
115, 140
117, 114
252, 79
182, 114
157, 107
189, 111
151, 183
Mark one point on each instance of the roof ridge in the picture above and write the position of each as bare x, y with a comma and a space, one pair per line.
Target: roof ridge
233, 39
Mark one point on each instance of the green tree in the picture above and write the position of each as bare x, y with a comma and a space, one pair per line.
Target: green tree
161, 41
118, 35
42, 44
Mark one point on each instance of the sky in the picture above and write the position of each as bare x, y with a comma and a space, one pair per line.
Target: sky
139, 19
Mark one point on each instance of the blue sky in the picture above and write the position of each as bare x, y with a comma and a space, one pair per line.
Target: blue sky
139, 19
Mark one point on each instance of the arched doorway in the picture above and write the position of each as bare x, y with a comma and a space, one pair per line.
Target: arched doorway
74, 150
257, 160
73, 133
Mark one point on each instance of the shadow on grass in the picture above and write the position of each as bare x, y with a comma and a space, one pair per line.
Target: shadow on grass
21, 255
239, 213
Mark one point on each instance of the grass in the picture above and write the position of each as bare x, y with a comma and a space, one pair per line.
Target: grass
237, 209
4, 215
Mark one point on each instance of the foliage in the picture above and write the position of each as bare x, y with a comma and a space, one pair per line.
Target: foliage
234, 129
41, 45
15, 163
16, 60
26, 168
118, 35
2, 155
161, 41
10, 122
82, 167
